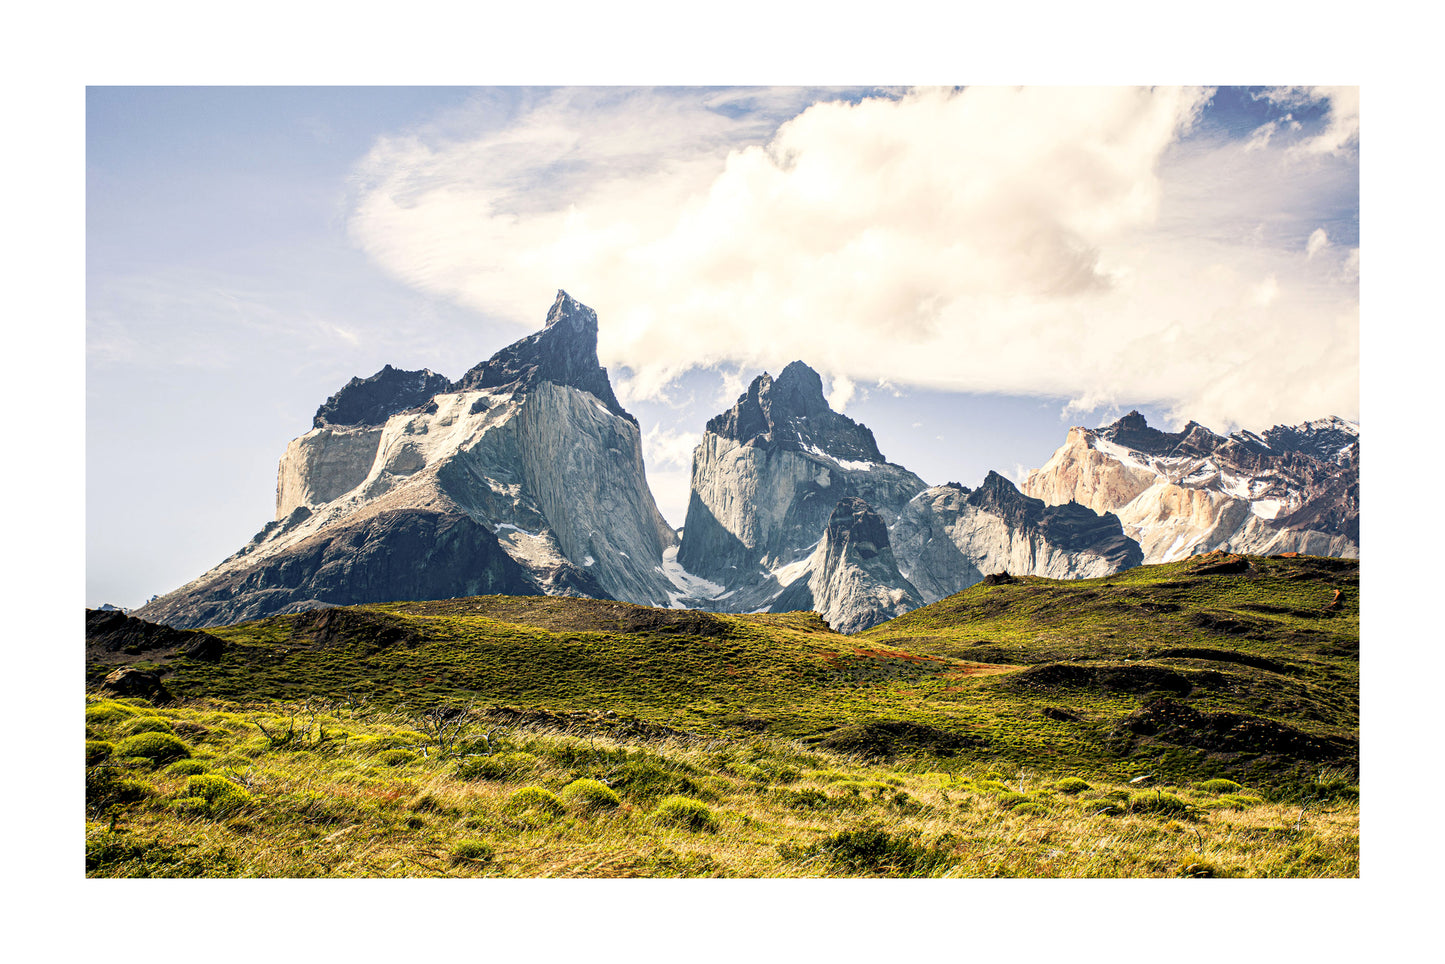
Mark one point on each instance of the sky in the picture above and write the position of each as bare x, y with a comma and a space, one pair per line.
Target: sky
973, 270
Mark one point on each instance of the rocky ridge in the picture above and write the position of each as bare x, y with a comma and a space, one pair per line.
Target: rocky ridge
525, 477
951, 537
775, 476
1289, 489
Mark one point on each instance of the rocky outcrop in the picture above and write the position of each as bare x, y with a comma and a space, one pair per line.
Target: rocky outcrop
949, 537
767, 476
112, 636
1291, 489
525, 477
851, 579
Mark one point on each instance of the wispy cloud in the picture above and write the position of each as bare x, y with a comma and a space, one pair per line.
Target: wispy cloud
662, 447
1061, 241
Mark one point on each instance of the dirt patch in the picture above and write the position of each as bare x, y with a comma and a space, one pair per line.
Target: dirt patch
889, 738
1117, 678
1220, 565
894, 654
1176, 722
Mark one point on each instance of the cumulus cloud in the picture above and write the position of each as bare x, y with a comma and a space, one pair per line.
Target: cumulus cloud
1059, 241
1318, 241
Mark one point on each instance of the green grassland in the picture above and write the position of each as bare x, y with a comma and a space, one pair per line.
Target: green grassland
206, 789
765, 745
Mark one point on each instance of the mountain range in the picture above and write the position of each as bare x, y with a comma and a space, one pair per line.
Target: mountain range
525, 477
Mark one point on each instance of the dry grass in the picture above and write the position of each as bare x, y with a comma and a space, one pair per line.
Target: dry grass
334, 808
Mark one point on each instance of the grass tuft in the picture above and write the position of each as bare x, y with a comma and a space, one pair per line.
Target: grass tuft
685, 812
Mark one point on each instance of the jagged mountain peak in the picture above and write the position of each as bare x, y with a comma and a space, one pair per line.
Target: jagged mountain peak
571, 313
799, 391
564, 352
791, 412
998, 495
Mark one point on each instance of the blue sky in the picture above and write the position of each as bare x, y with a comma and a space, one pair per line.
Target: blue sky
972, 271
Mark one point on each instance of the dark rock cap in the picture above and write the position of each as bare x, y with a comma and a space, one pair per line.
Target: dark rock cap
564, 352
371, 401
790, 412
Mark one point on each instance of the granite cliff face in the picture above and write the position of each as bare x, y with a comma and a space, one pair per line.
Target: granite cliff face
524, 477
1290, 489
950, 537
767, 476
851, 579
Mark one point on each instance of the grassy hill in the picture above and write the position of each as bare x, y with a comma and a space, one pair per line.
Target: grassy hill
928, 730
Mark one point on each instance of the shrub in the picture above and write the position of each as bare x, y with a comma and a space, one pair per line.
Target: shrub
534, 801
502, 766
145, 724
992, 786
1332, 784
589, 796
1158, 802
156, 747
1238, 801
221, 795
647, 777
807, 799
1010, 800
471, 851
871, 849
1072, 785
1219, 785
186, 768
685, 812
120, 854
395, 758
107, 712
428, 802
1031, 808
97, 750
105, 788
1105, 805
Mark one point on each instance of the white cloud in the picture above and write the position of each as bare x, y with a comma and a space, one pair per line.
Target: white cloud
1059, 241
1341, 130
1318, 241
665, 447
